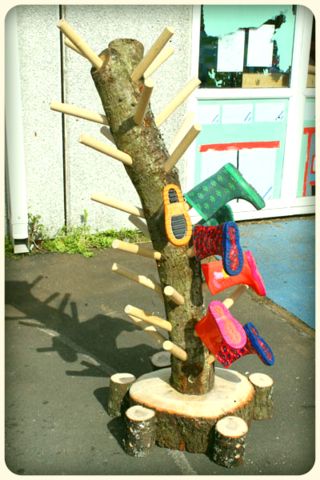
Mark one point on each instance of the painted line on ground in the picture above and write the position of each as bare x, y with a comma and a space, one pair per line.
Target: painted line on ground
182, 463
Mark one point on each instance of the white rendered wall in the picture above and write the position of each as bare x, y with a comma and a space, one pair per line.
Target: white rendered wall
89, 171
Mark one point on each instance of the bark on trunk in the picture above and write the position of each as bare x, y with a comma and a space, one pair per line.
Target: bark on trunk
145, 145
229, 442
140, 431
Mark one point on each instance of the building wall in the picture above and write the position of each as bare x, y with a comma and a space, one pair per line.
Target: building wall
62, 173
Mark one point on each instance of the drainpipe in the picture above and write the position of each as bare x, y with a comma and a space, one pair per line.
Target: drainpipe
15, 161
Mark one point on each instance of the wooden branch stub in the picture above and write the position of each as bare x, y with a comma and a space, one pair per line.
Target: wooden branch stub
140, 431
175, 350
141, 279
118, 388
136, 249
150, 329
177, 101
160, 360
229, 302
182, 147
148, 317
152, 54
140, 224
143, 102
106, 149
118, 204
263, 400
79, 112
229, 442
175, 296
158, 61
73, 36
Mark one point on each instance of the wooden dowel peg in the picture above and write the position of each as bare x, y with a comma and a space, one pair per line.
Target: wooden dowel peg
118, 388
136, 249
186, 124
148, 317
140, 434
140, 224
229, 442
211, 359
152, 54
106, 149
177, 101
173, 295
176, 351
150, 329
182, 147
141, 279
229, 302
71, 45
158, 61
191, 252
114, 203
73, 36
79, 112
143, 102
263, 400
160, 360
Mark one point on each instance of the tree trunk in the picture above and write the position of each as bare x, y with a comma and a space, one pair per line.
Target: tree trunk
120, 95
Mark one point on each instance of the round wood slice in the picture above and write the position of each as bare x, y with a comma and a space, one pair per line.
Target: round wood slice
186, 422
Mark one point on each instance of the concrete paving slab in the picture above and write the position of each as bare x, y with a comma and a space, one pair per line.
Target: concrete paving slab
66, 333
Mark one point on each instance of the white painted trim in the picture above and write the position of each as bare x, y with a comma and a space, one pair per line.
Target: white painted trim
239, 93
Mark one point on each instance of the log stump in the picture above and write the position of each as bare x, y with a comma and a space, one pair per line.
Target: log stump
229, 441
118, 389
160, 360
263, 400
140, 431
186, 422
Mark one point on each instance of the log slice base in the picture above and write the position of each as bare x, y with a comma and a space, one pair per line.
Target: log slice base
186, 422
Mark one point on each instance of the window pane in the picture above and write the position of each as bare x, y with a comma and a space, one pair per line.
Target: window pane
311, 80
248, 46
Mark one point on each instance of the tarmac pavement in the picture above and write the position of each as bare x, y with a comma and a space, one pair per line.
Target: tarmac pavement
66, 333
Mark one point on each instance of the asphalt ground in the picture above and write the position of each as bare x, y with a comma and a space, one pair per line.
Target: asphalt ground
65, 334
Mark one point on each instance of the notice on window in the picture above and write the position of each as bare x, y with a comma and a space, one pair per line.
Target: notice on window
260, 46
231, 52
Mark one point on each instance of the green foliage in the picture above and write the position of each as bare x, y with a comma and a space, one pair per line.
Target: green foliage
73, 239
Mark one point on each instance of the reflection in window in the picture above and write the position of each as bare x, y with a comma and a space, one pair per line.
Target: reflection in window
246, 46
311, 80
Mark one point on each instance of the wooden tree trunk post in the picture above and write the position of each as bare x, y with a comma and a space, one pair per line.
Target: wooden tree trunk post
263, 401
143, 143
118, 389
160, 360
140, 430
229, 442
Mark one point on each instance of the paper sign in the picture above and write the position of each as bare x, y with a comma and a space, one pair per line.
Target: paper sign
237, 113
260, 46
231, 52
270, 112
208, 114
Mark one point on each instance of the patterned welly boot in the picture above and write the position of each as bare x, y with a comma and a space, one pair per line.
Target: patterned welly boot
216, 191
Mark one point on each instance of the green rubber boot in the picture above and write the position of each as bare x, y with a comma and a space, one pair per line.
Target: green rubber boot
216, 191
224, 214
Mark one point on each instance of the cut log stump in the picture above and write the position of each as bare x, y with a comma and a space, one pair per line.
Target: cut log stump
263, 400
119, 386
229, 441
184, 421
160, 360
140, 431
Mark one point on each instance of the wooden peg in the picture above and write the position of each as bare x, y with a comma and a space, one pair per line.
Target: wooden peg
177, 101
186, 124
230, 441
152, 54
141, 279
148, 317
140, 224
107, 133
173, 295
211, 359
191, 252
71, 45
140, 431
229, 302
176, 351
150, 329
79, 112
263, 400
106, 149
114, 203
182, 147
73, 36
158, 61
136, 249
143, 102
120, 383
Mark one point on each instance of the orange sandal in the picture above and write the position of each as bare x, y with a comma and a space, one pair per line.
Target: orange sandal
177, 220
